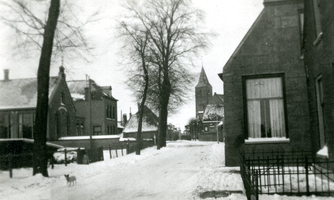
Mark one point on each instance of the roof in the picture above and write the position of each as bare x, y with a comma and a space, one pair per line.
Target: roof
21, 93
217, 99
77, 89
150, 122
213, 112
203, 79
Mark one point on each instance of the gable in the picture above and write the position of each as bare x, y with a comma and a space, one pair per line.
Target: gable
273, 38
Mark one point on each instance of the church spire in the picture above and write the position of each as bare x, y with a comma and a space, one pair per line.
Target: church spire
203, 79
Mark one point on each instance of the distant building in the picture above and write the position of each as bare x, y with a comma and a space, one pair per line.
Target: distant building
209, 112
212, 123
149, 125
103, 108
18, 101
203, 93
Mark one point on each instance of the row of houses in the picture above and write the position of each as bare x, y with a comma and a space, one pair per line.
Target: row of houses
77, 109
279, 82
74, 106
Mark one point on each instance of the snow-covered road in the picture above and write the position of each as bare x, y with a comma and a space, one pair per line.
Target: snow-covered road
182, 170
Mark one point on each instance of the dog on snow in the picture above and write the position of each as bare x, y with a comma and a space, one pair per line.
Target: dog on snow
70, 179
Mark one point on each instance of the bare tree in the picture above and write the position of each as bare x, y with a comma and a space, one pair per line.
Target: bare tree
28, 19
40, 30
139, 72
172, 27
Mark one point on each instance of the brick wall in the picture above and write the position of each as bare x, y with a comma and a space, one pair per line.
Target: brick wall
271, 46
66, 123
319, 59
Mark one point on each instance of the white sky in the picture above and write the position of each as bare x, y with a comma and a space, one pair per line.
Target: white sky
229, 19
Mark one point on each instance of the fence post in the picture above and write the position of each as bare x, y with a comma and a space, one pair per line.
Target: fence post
127, 147
10, 165
109, 151
122, 149
257, 185
116, 153
65, 157
307, 181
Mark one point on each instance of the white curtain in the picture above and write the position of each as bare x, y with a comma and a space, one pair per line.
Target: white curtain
254, 119
267, 89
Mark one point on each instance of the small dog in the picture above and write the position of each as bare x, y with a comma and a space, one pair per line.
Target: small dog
70, 179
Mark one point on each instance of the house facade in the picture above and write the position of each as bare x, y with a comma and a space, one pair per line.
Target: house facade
265, 85
319, 66
18, 101
98, 114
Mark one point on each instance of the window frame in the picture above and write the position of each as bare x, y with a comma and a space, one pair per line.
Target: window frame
317, 21
244, 91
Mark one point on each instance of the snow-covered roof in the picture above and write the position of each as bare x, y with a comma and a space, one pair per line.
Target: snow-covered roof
86, 137
213, 112
21, 93
77, 89
150, 122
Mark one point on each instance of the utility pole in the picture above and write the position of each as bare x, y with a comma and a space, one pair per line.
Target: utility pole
90, 112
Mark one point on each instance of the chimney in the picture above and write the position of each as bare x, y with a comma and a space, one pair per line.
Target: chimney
62, 72
6, 74
124, 119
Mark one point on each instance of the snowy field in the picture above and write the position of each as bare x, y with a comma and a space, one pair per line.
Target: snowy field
182, 170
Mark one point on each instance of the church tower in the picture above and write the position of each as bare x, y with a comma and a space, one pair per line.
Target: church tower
203, 94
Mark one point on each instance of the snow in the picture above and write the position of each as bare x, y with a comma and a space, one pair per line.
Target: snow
267, 140
323, 152
182, 170
87, 137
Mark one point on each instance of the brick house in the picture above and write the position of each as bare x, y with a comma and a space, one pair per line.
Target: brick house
319, 67
265, 85
18, 103
103, 108
149, 125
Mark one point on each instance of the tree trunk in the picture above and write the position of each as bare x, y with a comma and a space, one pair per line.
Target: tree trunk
142, 104
140, 117
166, 90
40, 150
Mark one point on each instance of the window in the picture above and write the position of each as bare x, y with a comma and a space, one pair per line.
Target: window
27, 125
97, 130
320, 106
317, 20
265, 107
113, 112
301, 27
4, 126
62, 98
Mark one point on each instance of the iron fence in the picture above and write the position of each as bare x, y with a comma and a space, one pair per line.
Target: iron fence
286, 173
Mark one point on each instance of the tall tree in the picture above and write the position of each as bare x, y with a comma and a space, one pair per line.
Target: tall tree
43, 75
139, 72
172, 26
38, 30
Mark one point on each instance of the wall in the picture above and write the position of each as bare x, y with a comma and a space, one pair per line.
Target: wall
271, 46
319, 59
56, 106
